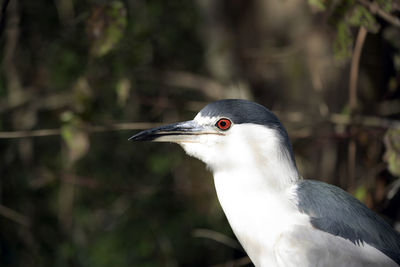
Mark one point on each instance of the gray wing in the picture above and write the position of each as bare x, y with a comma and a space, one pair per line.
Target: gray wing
335, 211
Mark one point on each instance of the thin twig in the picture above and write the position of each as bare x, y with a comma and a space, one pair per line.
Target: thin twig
14, 216
52, 101
375, 9
216, 236
93, 184
293, 117
90, 129
28, 133
351, 161
208, 86
365, 121
3, 16
235, 263
355, 63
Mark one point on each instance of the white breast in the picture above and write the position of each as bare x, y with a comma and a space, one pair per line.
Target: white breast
256, 214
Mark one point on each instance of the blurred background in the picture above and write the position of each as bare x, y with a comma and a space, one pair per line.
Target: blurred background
78, 78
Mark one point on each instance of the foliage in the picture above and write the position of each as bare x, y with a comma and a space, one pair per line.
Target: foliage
319, 4
345, 15
105, 27
84, 196
392, 155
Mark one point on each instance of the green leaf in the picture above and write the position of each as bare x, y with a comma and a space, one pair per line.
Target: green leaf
360, 16
66, 133
123, 88
105, 27
385, 5
392, 154
75, 138
343, 42
319, 4
360, 193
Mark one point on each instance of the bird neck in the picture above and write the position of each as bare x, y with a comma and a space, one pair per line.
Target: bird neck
262, 159
280, 171
276, 172
259, 204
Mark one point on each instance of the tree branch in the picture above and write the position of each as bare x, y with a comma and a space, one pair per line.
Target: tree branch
355, 63
3, 16
233, 263
293, 117
91, 129
375, 9
216, 236
354, 70
14, 216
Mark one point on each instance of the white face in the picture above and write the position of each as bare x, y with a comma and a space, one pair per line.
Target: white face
240, 145
207, 147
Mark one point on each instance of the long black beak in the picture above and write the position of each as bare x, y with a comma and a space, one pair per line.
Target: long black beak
177, 132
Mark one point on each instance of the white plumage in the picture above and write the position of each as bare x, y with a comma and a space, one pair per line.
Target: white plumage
279, 219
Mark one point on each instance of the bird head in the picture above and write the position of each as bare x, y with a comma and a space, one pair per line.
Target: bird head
228, 134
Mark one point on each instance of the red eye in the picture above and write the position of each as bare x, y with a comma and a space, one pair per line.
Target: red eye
223, 124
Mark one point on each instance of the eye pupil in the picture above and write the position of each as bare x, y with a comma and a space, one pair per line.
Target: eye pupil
223, 124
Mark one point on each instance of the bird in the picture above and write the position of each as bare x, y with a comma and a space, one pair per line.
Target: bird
279, 218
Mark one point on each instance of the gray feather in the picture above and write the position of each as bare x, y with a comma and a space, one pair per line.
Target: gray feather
335, 211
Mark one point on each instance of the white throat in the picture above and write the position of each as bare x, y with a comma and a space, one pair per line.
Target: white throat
259, 204
256, 151
254, 177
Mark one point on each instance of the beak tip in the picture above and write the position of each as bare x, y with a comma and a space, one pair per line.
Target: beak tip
137, 137
146, 135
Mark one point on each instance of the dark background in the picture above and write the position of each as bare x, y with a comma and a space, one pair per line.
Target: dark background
77, 76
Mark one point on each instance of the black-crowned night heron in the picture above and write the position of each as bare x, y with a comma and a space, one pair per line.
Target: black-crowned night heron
279, 218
